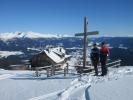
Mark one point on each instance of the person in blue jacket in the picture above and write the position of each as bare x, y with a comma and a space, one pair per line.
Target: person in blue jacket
95, 54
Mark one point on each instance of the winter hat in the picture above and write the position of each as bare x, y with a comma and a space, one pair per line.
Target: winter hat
103, 43
94, 44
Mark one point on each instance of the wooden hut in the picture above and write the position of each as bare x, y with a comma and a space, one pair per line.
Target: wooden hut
51, 56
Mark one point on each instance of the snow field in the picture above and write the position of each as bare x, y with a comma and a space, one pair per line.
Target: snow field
117, 85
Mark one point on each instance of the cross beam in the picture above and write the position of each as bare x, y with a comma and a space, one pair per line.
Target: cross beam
85, 34
88, 33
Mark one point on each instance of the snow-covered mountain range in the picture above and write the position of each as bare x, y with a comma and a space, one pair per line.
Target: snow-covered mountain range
32, 35
30, 43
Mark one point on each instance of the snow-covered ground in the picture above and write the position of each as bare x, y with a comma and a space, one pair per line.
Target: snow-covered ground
8, 53
23, 85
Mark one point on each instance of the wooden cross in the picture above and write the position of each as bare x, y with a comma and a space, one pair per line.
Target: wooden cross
85, 34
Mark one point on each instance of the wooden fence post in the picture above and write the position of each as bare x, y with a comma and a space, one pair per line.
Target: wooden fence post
48, 72
65, 70
51, 71
37, 72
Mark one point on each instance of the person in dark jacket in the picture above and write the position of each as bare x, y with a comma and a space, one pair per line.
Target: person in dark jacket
104, 52
95, 57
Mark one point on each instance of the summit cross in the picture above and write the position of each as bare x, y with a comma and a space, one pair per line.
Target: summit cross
85, 42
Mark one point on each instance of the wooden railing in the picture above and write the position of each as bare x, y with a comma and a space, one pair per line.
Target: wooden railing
115, 63
50, 70
90, 67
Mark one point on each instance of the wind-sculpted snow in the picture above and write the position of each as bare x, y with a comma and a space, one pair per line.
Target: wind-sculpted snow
117, 85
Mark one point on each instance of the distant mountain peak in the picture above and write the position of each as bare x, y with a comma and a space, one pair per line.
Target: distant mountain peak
12, 35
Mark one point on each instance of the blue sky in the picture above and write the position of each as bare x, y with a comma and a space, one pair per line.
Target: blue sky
110, 17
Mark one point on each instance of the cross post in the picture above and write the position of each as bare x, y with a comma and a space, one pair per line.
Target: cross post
85, 42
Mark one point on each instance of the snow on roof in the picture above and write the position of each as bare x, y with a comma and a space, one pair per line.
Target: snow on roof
54, 56
53, 53
58, 50
67, 56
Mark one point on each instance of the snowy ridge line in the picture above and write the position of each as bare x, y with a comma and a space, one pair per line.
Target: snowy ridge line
32, 35
5, 76
9, 53
46, 96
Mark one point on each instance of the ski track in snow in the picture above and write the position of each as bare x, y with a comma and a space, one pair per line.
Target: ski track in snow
78, 87
81, 86
46, 96
87, 97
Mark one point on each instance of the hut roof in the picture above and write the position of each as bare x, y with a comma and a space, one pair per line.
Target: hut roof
52, 55
57, 54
